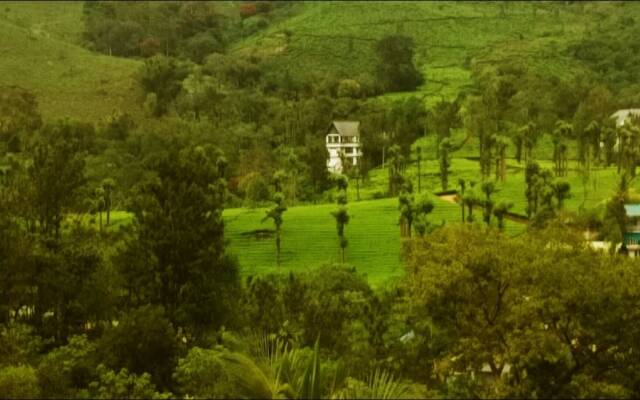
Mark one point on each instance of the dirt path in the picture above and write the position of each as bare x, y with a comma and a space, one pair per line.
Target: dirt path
453, 198
449, 198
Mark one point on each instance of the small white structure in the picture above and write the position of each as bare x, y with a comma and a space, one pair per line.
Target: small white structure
632, 236
343, 143
623, 115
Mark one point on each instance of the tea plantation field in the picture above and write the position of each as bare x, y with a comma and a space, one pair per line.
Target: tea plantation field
309, 237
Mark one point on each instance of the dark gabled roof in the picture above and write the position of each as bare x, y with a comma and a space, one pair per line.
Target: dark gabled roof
346, 128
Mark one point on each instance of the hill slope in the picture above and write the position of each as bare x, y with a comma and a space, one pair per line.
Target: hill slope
39, 51
338, 37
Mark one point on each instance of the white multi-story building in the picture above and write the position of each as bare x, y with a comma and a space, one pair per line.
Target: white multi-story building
343, 143
622, 116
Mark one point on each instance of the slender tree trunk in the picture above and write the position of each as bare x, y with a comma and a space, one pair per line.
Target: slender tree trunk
419, 176
503, 164
294, 190
278, 247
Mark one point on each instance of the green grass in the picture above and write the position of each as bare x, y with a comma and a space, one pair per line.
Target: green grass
600, 187
309, 238
40, 51
61, 20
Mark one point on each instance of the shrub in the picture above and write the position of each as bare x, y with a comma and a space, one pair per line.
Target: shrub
19, 382
18, 344
67, 368
123, 385
143, 341
201, 374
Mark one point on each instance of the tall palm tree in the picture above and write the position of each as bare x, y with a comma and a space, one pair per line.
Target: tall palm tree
107, 188
563, 131
500, 211
276, 212
501, 143
561, 191
488, 188
462, 184
422, 208
341, 214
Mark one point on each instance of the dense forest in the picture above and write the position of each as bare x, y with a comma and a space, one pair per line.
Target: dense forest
169, 227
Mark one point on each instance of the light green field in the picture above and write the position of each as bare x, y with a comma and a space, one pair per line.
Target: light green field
309, 237
40, 51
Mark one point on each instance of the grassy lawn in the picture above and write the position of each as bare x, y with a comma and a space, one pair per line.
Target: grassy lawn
600, 187
309, 237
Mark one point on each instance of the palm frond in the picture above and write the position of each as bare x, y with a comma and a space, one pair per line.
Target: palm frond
311, 387
379, 385
252, 381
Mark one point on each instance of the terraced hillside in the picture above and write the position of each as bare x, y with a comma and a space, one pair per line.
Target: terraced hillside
338, 37
40, 51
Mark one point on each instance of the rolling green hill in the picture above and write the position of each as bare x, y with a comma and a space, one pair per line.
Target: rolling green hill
338, 37
40, 51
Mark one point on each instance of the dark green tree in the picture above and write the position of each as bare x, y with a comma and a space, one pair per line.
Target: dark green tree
176, 257
488, 188
500, 211
160, 76
143, 341
445, 162
562, 191
532, 171
276, 212
56, 173
395, 69
501, 143
18, 114
422, 208
341, 214
396, 165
